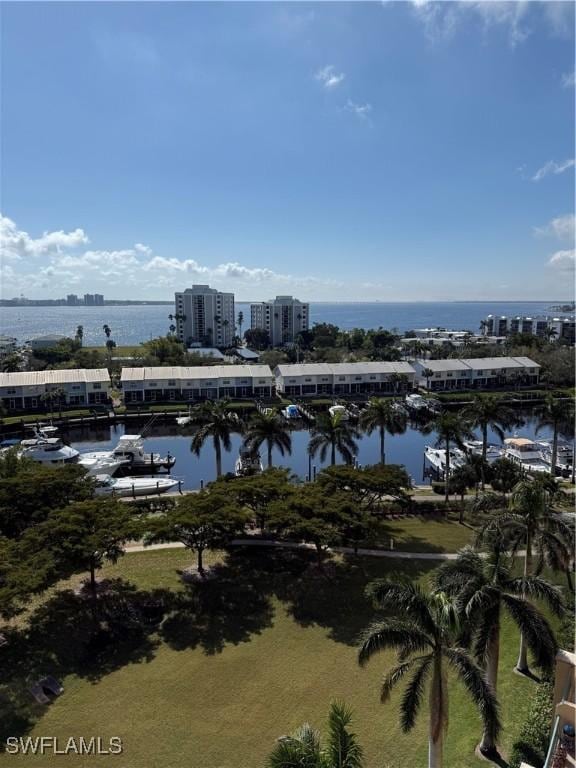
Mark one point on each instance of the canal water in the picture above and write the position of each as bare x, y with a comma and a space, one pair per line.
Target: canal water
406, 449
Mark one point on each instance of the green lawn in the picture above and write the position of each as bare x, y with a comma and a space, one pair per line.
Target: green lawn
239, 661
417, 534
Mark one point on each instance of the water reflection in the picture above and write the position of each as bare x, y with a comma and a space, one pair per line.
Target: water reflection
164, 437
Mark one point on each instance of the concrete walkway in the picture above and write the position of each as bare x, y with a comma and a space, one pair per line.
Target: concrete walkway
394, 554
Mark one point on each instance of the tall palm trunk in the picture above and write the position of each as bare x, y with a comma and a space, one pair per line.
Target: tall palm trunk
484, 451
218, 451
554, 450
487, 744
382, 438
522, 663
438, 711
269, 455
447, 473
333, 454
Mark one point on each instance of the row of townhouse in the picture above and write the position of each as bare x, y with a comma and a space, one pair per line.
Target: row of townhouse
344, 378
28, 391
85, 387
476, 373
193, 383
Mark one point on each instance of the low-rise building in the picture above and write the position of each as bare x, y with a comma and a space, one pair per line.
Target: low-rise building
8, 345
28, 391
195, 383
476, 373
344, 378
559, 328
45, 342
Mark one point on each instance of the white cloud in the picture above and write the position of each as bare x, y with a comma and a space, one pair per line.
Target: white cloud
562, 227
16, 244
329, 77
441, 18
552, 167
569, 80
134, 271
360, 110
564, 261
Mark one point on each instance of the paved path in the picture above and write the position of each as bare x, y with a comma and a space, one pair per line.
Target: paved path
395, 554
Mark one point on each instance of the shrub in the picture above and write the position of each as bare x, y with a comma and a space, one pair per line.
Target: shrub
532, 745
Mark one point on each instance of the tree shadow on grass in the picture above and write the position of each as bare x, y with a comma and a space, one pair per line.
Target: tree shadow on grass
70, 634
228, 607
338, 602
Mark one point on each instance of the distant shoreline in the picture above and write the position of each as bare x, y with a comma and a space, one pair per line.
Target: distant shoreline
7, 303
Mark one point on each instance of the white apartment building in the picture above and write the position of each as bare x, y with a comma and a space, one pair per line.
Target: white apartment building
195, 383
283, 317
476, 373
205, 316
546, 325
79, 386
344, 378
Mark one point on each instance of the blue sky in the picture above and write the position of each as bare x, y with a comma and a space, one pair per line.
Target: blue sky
346, 151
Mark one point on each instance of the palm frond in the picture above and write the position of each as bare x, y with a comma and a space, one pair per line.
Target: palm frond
480, 692
343, 751
535, 629
396, 634
412, 698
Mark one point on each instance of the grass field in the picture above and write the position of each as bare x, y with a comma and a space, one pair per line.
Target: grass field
239, 661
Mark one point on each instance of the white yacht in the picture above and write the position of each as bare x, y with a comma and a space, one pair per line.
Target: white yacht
101, 466
525, 453
564, 456
248, 463
436, 457
339, 410
133, 486
48, 450
493, 452
130, 448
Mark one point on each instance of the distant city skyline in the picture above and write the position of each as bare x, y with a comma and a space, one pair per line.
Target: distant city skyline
395, 151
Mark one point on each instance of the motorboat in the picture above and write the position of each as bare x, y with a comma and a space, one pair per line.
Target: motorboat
436, 457
526, 453
564, 456
421, 405
183, 421
291, 412
248, 463
340, 411
48, 450
493, 452
133, 486
101, 466
131, 449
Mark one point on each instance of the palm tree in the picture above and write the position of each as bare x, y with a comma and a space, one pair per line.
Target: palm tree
424, 637
559, 415
80, 334
240, 323
385, 416
531, 522
449, 428
335, 433
488, 411
268, 428
483, 587
304, 747
428, 374
214, 420
107, 330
